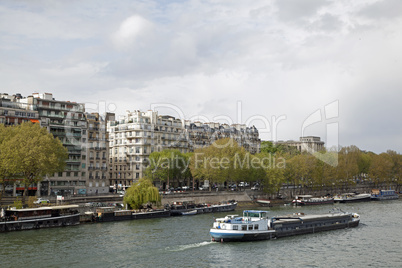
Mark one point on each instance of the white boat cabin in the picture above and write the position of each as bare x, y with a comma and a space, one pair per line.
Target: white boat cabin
251, 220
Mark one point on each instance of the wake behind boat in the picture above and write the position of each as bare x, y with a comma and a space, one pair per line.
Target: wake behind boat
254, 225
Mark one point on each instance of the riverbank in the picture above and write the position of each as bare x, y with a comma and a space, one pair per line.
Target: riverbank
245, 197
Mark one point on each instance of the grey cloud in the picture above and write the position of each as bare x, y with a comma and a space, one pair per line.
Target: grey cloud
388, 9
294, 11
328, 23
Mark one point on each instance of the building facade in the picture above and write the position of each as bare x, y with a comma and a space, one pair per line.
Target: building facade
67, 122
305, 144
12, 112
135, 136
204, 134
97, 153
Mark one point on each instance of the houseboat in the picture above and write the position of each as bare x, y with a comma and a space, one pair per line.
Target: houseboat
378, 195
254, 225
352, 197
308, 200
182, 208
38, 218
105, 214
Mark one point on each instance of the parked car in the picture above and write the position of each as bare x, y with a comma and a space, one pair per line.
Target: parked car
41, 201
204, 187
243, 184
185, 188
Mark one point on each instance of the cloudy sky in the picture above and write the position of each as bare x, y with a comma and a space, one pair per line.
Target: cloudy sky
290, 67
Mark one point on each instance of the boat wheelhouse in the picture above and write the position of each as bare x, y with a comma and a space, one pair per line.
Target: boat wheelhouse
252, 226
378, 195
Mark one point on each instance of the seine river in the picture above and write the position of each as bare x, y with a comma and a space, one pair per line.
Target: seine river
185, 242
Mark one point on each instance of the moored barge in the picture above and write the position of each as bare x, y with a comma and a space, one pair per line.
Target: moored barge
106, 214
308, 200
183, 208
38, 218
378, 195
352, 197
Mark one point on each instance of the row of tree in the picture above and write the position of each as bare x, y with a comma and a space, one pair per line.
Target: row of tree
28, 153
225, 162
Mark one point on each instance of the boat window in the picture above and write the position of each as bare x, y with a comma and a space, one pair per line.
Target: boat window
244, 227
256, 227
250, 227
235, 227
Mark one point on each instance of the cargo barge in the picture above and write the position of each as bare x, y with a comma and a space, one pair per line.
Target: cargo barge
254, 225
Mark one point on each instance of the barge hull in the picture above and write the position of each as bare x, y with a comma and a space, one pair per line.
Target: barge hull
41, 223
230, 237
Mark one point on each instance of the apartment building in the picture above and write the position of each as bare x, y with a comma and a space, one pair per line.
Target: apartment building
12, 112
67, 122
203, 134
134, 137
97, 154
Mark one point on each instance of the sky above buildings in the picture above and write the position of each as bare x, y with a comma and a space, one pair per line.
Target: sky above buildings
290, 67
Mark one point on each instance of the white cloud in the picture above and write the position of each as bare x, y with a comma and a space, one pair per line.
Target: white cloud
130, 31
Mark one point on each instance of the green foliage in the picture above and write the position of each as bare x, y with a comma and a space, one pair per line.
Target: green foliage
141, 193
17, 203
381, 168
29, 152
167, 166
224, 160
268, 147
31, 201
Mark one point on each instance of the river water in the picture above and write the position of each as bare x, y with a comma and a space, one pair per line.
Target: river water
185, 242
